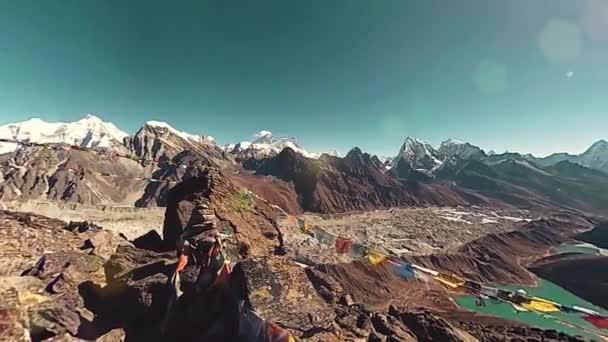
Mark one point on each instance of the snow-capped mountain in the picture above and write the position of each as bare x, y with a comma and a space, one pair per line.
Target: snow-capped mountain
89, 131
157, 139
418, 154
266, 145
464, 150
595, 157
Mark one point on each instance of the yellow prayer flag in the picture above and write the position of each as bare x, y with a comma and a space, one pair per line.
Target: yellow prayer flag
539, 304
448, 282
375, 258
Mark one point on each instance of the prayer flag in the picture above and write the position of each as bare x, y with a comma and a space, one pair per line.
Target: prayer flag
539, 304
585, 310
450, 280
599, 321
357, 251
342, 245
375, 258
425, 270
404, 271
489, 291
323, 236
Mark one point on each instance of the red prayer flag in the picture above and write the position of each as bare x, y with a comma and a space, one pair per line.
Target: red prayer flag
599, 321
342, 245
182, 262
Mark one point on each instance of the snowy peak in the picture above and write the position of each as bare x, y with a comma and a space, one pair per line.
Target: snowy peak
463, 150
267, 145
160, 140
419, 154
88, 131
163, 129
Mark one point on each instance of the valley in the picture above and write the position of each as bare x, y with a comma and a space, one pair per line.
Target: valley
90, 222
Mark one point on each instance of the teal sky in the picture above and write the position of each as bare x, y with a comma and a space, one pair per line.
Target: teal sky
518, 75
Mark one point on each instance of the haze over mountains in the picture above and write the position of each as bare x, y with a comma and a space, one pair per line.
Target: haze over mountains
285, 173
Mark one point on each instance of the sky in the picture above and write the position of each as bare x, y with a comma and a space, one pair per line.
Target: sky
517, 75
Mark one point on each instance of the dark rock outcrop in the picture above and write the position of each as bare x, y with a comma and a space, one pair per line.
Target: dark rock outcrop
210, 201
584, 275
597, 236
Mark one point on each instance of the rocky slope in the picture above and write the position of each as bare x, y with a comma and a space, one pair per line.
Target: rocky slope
159, 141
595, 157
457, 173
522, 183
355, 182
71, 176
503, 257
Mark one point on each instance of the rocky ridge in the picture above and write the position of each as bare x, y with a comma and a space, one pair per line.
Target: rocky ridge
80, 281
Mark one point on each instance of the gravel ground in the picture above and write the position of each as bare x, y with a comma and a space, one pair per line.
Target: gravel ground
400, 231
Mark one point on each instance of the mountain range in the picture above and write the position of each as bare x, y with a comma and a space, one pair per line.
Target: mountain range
282, 172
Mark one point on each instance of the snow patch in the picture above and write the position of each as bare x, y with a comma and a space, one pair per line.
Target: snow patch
181, 134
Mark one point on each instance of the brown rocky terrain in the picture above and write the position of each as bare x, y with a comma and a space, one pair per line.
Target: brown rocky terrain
71, 176
356, 182
160, 142
418, 231
290, 180
62, 282
503, 257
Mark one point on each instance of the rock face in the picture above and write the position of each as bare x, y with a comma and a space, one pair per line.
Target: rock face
70, 176
158, 140
418, 154
208, 199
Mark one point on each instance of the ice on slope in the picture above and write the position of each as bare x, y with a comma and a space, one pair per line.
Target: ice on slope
415, 151
181, 134
89, 131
